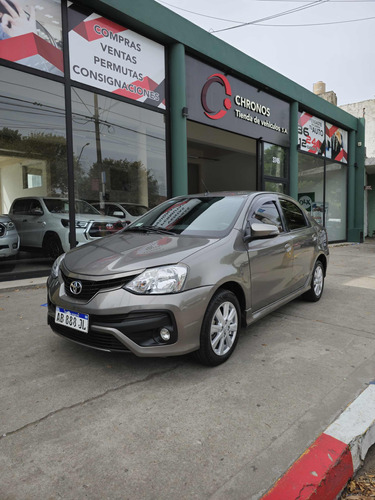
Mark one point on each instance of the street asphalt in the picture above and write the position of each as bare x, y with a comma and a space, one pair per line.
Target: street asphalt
77, 423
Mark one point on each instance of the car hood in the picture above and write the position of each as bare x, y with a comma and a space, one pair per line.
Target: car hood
130, 251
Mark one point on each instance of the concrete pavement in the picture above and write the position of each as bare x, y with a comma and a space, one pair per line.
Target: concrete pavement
76, 423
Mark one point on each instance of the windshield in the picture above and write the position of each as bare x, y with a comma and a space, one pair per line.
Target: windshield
135, 210
211, 216
61, 206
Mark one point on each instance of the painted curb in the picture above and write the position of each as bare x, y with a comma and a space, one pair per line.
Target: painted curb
322, 472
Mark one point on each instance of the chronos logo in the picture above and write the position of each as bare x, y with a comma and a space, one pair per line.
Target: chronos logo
227, 103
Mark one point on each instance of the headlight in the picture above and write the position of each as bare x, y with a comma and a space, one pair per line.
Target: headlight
56, 266
79, 223
10, 225
168, 279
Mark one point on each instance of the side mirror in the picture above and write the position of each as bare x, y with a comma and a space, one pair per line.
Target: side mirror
257, 230
118, 213
36, 211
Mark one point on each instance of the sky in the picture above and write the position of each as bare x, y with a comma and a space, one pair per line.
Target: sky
342, 54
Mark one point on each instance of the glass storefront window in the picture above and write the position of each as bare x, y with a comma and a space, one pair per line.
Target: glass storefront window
274, 168
33, 159
311, 185
277, 187
274, 160
119, 155
336, 182
212, 153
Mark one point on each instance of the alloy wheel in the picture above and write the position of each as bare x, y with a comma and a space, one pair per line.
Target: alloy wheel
224, 327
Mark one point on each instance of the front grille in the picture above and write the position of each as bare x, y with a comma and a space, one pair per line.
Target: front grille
2, 229
91, 288
100, 229
98, 340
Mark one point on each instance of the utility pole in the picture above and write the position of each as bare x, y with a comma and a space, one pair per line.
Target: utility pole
99, 153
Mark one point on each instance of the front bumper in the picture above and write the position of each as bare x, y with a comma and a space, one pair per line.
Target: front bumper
9, 246
120, 321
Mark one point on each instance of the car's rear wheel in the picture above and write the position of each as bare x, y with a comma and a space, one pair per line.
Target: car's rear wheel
317, 283
220, 329
52, 246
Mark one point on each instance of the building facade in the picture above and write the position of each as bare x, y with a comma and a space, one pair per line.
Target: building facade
366, 110
108, 102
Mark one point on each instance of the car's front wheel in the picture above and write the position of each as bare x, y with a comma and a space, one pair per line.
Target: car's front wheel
220, 329
317, 283
52, 246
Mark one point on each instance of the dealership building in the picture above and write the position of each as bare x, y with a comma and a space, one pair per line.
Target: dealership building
126, 102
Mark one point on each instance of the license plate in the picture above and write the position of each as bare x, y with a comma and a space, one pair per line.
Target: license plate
71, 319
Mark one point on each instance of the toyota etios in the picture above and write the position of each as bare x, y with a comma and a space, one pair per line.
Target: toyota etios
188, 274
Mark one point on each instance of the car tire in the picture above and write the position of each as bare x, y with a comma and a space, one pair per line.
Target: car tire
220, 329
52, 246
317, 283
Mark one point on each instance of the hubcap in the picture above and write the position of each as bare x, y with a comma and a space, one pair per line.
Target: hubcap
224, 327
318, 281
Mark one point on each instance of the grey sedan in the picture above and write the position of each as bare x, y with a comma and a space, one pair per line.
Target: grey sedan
188, 274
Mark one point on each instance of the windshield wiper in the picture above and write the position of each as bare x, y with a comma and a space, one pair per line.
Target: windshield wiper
151, 229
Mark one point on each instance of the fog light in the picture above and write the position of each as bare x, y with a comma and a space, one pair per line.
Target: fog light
165, 334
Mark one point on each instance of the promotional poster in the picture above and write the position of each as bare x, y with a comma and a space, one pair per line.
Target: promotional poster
337, 143
108, 56
31, 34
311, 134
321, 138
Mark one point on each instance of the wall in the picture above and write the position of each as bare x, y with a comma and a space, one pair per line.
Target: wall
365, 109
11, 181
371, 206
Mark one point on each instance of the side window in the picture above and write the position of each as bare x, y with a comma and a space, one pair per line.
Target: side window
21, 207
35, 208
109, 209
293, 215
267, 213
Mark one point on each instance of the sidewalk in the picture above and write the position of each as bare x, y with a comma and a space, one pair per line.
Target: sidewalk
328, 465
77, 423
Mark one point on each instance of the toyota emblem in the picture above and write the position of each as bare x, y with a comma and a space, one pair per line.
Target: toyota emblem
76, 287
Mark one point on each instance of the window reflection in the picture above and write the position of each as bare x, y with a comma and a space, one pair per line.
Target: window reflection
336, 178
119, 152
32, 157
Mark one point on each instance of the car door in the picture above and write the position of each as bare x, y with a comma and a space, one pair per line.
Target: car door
36, 224
270, 259
19, 215
303, 241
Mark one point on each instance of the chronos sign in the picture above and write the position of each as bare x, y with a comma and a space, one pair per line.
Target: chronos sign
230, 104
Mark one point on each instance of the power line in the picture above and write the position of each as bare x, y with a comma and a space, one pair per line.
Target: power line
284, 13
198, 14
280, 25
317, 24
300, 1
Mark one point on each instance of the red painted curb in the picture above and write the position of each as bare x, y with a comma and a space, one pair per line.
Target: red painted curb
321, 473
